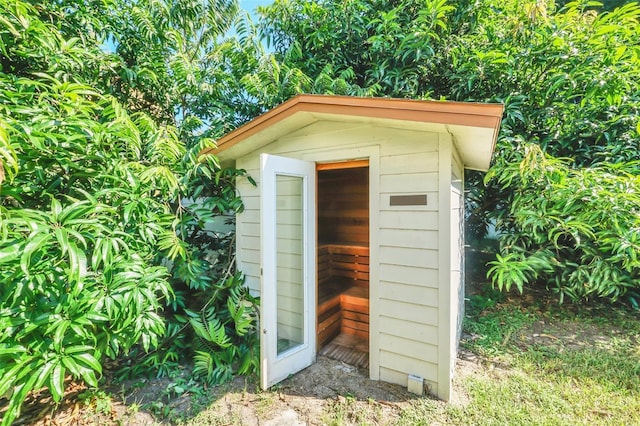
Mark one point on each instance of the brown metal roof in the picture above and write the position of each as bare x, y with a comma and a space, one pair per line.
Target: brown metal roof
468, 114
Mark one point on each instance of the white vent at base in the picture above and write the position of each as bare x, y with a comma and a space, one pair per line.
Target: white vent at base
415, 384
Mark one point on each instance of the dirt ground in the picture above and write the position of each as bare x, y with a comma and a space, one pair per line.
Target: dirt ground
328, 392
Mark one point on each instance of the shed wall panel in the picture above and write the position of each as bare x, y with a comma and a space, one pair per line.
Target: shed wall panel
401, 363
408, 236
413, 257
400, 219
413, 348
396, 291
408, 329
408, 183
410, 311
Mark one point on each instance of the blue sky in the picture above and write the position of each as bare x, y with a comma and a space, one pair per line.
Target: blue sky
250, 5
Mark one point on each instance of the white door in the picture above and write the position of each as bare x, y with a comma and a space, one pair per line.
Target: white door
288, 295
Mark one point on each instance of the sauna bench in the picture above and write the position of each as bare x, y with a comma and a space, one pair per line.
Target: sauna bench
343, 291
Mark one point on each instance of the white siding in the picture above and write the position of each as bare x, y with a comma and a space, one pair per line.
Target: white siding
405, 285
408, 264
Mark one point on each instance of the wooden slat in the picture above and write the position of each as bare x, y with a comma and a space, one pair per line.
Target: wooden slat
328, 303
356, 316
356, 325
348, 258
328, 334
361, 308
329, 327
361, 283
357, 293
347, 249
356, 275
343, 294
352, 266
327, 314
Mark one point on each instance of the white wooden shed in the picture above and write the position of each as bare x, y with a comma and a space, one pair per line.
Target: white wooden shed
353, 235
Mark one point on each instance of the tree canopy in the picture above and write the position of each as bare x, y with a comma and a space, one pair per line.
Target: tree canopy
569, 76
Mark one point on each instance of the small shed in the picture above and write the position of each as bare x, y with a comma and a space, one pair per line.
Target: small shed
353, 236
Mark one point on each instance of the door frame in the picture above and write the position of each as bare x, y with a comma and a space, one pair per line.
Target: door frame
371, 153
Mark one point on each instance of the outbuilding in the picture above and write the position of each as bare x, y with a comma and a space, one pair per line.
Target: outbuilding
353, 235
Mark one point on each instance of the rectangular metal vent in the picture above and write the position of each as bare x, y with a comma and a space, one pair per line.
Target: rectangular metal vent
408, 200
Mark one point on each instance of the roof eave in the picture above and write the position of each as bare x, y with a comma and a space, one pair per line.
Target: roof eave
478, 115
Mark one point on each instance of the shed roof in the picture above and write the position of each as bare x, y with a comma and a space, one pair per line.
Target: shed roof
474, 126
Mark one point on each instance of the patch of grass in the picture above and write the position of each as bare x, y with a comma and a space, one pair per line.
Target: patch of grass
524, 398
491, 330
342, 411
421, 411
98, 401
567, 365
265, 402
214, 418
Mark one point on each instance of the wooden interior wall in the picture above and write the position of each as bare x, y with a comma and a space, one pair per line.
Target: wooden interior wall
343, 206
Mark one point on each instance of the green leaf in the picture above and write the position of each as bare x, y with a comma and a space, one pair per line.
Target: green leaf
36, 241
56, 383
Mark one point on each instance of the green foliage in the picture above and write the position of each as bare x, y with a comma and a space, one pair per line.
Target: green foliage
385, 48
576, 230
568, 75
106, 245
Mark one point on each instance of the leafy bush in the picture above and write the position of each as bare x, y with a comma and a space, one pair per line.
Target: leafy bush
574, 230
100, 257
568, 74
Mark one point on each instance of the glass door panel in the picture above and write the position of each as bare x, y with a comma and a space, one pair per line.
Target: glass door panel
290, 265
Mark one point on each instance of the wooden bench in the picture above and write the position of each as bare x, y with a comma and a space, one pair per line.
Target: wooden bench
343, 291
354, 304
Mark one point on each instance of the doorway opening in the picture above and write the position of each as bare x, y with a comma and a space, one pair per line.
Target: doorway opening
342, 328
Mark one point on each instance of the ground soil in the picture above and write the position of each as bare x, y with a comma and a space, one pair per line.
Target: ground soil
307, 398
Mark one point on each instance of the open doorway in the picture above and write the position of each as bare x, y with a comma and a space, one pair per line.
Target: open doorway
342, 330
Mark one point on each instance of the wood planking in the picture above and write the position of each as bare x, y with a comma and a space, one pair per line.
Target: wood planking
419, 220
408, 287
349, 349
413, 330
412, 348
409, 238
457, 247
410, 257
248, 225
342, 268
409, 183
419, 366
427, 296
354, 303
343, 205
411, 311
